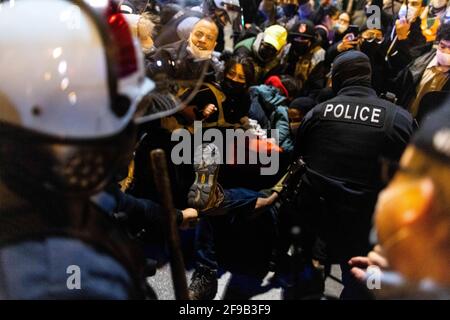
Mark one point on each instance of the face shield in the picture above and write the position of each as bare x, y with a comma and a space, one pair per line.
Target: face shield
180, 65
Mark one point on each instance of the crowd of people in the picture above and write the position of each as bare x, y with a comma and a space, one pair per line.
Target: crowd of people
350, 96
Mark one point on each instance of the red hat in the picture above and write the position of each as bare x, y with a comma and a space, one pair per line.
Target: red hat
275, 81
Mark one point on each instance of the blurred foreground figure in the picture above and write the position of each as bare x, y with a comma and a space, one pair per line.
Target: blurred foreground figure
67, 101
413, 218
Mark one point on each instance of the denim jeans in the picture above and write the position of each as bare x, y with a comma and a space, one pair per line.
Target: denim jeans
237, 202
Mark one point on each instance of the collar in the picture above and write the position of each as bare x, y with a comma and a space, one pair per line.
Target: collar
433, 63
357, 91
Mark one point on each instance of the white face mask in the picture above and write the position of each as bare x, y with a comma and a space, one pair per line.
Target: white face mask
198, 53
443, 58
412, 13
341, 28
402, 11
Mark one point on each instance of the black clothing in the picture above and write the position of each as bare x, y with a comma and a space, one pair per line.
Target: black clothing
406, 82
341, 141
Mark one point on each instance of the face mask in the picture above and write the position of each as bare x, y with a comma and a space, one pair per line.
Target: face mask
370, 48
267, 53
289, 10
402, 12
340, 28
412, 13
443, 58
299, 47
293, 126
231, 87
197, 53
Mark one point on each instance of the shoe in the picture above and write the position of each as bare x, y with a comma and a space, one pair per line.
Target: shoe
203, 284
205, 193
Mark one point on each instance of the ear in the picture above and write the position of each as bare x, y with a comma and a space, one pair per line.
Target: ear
403, 204
422, 196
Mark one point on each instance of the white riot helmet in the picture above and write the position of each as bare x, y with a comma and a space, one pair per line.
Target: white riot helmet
231, 7
226, 4
71, 79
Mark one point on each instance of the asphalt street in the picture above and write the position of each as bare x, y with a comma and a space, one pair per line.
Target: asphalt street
267, 289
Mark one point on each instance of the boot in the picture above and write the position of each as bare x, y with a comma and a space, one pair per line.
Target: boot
203, 284
205, 193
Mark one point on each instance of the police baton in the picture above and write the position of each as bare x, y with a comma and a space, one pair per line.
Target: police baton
162, 181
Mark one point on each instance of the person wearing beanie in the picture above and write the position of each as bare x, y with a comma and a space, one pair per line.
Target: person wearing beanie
412, 217
305, 57
341, 141
297, 111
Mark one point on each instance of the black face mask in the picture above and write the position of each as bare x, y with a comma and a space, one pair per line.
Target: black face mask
299, 48
371, 49
293, 128
267, 52
233, 88
289, 10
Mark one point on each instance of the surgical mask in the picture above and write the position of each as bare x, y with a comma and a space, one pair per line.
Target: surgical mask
289, 10
402, 11
412, 13
340, 28
443, 58
198, 53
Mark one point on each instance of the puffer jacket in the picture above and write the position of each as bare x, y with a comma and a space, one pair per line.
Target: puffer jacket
269, 108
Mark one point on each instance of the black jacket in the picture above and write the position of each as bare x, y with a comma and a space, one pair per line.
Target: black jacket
405, 84
341, 141
405, 51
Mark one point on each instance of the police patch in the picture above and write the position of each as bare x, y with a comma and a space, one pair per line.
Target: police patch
355, 113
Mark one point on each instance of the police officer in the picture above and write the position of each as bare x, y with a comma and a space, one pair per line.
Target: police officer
341, 140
